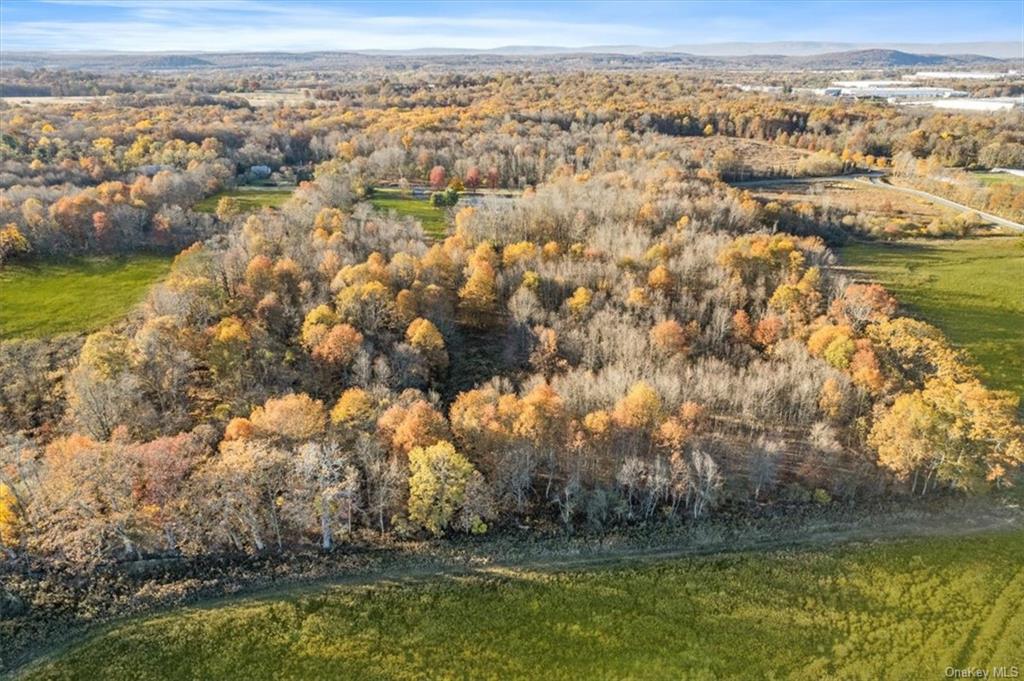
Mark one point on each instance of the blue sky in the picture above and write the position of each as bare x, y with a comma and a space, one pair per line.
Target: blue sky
301, 25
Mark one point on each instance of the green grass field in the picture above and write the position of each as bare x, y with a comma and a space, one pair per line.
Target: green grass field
249, 199
973, 289
434, 220
80, 294
999, 178
891, 611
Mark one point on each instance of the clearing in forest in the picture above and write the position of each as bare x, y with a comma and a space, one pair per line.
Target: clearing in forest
249, 198
433, 219
74, 295
853, 197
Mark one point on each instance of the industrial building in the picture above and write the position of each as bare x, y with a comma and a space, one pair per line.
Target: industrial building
959, 75
974, 103
894, 93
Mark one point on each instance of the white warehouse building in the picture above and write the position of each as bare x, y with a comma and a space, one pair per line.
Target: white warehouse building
963, 75
900, 93
974, 103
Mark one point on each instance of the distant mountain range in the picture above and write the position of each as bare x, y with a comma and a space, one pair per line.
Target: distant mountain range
882, 58
998, 50
764, 55
174, 62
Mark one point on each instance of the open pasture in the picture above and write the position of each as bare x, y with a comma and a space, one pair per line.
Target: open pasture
434, 220
249, 198
970, 288
901, 610
74, 295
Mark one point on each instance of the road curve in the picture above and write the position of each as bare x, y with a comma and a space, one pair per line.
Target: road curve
989, 217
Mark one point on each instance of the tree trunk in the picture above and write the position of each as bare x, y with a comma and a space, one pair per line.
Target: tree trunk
275, 524
254, 530
325, 526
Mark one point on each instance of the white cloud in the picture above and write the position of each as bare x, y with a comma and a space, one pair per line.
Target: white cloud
245, 25
305, 25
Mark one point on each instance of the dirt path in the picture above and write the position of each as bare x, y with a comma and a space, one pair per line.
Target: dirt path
597, 553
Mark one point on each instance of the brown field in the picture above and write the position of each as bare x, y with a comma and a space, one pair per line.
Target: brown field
759, 157
257, 99
273, 98
43, 101
854, 197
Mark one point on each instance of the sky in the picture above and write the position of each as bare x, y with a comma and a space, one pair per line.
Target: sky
303, 25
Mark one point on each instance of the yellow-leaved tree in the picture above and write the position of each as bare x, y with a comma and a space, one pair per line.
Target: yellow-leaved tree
641, 408
425, 337
12, 242
10, 517
291, 417
478, 298
960, 434
438, 476
355, 409
580, 300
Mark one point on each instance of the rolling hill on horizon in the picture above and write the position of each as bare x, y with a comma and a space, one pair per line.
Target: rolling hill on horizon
872, 58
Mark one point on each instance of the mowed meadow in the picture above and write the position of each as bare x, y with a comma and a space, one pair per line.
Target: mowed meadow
433, 219
973, 289
999, 178
48, 297
40, 298
249, 198
898, 610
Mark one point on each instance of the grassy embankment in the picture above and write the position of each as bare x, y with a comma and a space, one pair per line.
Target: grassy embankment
973, 289
898, 610
999, 178
74, 295
434, 220
249, 198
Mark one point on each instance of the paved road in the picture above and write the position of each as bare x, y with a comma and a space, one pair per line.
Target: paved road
876, 179
989, 217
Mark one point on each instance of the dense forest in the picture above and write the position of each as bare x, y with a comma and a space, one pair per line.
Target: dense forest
609, 333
